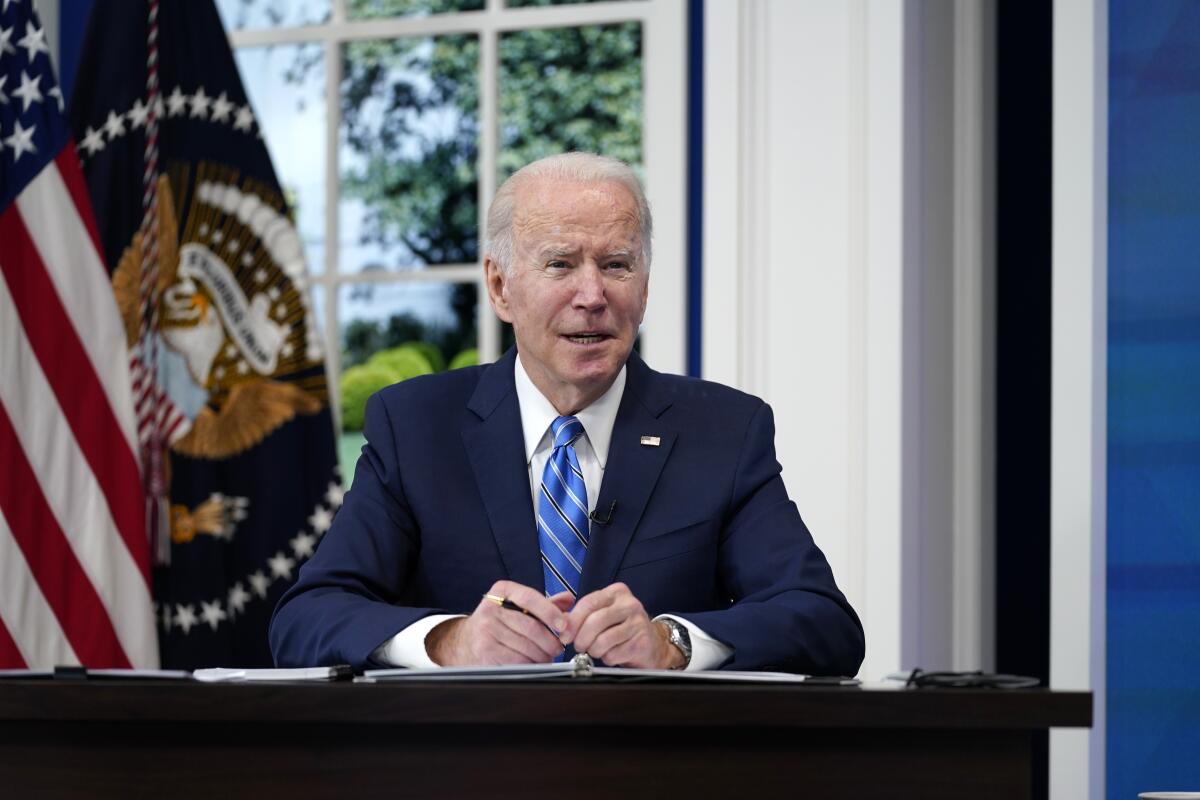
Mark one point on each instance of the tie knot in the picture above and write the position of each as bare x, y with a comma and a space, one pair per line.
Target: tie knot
566, 430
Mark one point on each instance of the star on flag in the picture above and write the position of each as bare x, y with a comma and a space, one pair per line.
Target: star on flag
6, 40
200, 103
114, 126
21, 140
138, 114
238, 596
34, 41
93, 141
281, 566
212, 613
176, 103
28, 91
221, 108
259, 583
245, 118
320, 520
303, 544
185, 616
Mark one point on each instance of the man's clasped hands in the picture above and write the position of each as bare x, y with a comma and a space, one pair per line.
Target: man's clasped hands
609, 624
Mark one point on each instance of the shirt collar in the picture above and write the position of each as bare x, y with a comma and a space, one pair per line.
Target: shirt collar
537, 413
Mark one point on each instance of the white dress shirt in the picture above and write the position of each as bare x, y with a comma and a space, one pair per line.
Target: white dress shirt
407, 648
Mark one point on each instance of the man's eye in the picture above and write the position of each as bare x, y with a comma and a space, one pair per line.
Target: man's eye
557, 265
617, 265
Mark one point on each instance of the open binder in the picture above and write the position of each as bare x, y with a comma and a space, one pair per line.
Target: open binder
582, 667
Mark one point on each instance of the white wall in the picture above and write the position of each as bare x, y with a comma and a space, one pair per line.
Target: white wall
47, 11
845, 266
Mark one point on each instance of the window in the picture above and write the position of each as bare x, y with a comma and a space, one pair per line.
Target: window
392, 122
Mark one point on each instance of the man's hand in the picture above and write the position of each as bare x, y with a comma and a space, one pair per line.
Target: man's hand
493, 635
611, 624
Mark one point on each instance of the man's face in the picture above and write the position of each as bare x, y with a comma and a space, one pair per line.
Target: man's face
578, 288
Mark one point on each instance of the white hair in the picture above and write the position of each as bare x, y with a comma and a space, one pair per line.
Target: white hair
576, 167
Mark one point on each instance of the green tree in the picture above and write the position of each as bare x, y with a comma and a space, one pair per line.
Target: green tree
410, 116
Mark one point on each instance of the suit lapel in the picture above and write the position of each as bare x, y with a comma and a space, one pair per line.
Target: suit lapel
496, 450
630, 474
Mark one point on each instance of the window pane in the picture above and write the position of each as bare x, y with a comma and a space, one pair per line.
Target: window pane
527, 3
242, 14
408, 149
376, 9
285, 85
317, 295
392, 331
564, 89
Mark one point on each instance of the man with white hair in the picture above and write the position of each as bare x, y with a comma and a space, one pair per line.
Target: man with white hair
568, 497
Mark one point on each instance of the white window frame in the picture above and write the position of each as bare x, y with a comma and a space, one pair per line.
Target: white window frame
664, 151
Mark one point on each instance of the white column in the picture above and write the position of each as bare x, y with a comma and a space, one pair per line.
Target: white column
803, 262
1078, 386
845, 252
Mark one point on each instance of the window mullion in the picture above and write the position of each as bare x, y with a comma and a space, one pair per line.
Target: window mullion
489, 96
333, 117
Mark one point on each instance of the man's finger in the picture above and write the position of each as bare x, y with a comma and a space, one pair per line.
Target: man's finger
563, 601
611, 640
602, 619
494, 651
588, 605
533, 601
504, 636
532, 630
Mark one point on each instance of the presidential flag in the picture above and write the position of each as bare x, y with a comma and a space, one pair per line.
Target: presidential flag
208, 270
74, 557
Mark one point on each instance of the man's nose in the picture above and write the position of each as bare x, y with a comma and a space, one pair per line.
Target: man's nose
589, 288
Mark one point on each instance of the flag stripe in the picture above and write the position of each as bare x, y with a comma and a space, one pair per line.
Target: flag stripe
81, 396
74, 266
25, 614
10, 656
72, 175
37, 533
64, 482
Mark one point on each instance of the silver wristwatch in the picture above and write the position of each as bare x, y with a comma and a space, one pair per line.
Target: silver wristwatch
678, 635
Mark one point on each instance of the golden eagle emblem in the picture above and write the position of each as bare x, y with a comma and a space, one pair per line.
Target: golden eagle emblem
238, 351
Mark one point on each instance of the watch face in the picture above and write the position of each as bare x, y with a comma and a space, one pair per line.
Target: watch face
680, 637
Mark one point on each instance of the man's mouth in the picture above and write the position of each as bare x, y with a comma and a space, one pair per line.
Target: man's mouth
586, 338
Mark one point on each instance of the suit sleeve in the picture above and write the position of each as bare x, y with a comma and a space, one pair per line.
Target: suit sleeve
350, 596
787, 612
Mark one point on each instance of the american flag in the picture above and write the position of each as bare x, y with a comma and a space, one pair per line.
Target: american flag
74, 555
233, 354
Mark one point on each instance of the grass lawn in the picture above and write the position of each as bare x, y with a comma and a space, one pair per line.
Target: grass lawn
349, 447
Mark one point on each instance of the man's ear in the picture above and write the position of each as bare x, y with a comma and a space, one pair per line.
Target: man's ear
497, 284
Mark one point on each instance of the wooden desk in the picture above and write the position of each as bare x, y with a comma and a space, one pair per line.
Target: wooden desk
578, 740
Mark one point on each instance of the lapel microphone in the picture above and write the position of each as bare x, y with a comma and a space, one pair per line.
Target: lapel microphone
607, 518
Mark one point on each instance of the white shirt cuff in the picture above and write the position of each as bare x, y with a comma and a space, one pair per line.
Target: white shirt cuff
407, 648
707, 652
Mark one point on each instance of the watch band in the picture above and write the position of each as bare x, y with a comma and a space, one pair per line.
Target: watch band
677, 634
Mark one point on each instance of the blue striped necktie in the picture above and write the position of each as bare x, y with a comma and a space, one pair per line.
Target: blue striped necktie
562, 518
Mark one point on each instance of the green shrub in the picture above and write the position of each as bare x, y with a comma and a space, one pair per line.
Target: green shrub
359, 383
432, 353
407, 362
467, 358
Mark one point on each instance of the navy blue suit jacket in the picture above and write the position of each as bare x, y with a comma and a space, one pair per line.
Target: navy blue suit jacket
440, 509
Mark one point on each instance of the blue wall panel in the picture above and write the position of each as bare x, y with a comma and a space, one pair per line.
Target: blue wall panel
1154, 397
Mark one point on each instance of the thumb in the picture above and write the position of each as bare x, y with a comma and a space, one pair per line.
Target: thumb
563, 600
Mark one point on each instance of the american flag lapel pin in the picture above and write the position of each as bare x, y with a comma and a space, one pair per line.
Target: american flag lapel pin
651, 441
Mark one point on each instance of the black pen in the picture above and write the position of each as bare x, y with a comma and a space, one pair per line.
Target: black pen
504, 602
